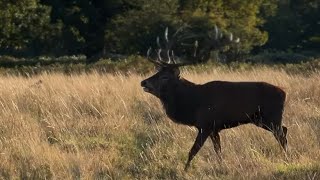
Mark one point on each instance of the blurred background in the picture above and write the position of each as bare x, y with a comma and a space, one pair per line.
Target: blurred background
46, 32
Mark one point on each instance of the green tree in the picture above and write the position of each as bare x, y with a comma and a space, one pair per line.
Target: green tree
25, 28
296, 26
242, 17
135, 30
84, 22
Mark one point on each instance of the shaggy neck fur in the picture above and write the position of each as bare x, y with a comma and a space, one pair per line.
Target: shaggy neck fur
178, 101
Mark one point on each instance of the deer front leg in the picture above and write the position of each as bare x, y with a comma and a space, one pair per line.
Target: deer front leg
216, 144
201, 138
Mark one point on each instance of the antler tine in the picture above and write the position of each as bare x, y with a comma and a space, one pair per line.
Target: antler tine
159, 51
216, 30
166, 35
168, 55
196, 45
152, 60
159, 55
230, 37
173, 58
169, 44
180, 29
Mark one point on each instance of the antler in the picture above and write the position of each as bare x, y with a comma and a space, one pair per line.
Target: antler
167, 51
208, 42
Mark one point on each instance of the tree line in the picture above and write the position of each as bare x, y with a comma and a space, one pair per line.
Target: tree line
91, 27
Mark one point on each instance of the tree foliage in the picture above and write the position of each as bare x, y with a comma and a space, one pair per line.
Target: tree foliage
58, 27
84, 22
139, 27
135, 30
25, 27
296, 26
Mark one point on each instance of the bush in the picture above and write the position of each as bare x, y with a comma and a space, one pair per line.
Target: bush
279, 57
138, 64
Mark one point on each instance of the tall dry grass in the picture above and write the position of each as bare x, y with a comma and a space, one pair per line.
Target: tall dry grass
93, 126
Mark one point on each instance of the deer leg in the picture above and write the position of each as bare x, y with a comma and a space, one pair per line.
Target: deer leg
216, 143
281, 136
201, 138
272, 121
280, 133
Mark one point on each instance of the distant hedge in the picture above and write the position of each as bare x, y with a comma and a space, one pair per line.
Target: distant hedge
138, 64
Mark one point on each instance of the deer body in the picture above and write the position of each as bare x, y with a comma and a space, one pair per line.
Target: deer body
222, 104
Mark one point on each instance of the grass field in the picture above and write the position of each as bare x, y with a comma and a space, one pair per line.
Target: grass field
93, 126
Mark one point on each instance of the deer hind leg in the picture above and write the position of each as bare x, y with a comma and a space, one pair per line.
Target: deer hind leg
271, 120
279, 132
281, 136
216, 144
201, 138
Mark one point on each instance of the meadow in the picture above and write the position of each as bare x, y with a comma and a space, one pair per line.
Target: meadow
104, 126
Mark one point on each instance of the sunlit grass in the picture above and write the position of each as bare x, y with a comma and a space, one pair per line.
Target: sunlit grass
94, 126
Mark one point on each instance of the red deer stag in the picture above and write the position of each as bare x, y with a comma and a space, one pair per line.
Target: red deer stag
216, 105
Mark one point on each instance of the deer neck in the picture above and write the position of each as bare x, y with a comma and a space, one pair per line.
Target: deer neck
172, 96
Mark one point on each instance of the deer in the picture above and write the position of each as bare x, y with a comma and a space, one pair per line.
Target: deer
216, 105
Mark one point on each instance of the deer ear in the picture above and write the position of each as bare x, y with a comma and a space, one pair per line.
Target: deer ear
158, 68
176, 71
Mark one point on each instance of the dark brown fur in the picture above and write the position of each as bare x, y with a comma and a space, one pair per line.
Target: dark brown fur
218, 105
